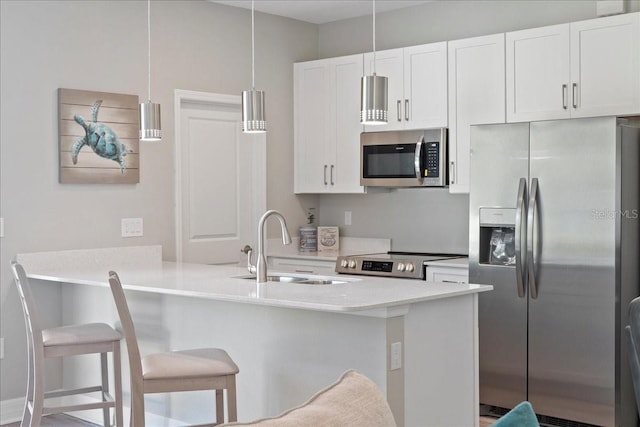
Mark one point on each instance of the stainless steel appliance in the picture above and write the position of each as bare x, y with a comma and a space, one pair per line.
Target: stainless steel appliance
407, 265
554, 228
410, 158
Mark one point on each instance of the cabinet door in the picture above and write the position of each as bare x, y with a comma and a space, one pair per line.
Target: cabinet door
476, 96
311, 104
605, 66
425, 86
302, 266
389, 63
344, 172
538, 74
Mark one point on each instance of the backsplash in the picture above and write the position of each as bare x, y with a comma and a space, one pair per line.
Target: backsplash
415, 219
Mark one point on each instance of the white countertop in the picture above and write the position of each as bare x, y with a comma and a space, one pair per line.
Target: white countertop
220, 282
454, 262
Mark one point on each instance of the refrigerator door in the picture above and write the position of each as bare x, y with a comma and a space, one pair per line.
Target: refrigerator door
499, 164
573, 239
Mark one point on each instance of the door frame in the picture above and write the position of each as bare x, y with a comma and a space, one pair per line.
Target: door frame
258, 158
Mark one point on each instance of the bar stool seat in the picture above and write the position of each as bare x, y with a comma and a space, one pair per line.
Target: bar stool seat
184, 370
71, 340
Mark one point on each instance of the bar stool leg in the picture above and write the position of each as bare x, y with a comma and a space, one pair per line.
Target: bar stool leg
105, 387
219, 406
117, 372
231, 399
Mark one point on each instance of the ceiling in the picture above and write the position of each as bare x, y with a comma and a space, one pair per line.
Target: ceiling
321, 11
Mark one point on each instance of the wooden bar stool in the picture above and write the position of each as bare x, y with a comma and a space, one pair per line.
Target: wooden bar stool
186, 370
90, 338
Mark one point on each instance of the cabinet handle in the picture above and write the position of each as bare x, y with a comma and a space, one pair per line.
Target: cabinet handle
304, 271
564, 96
574, 95
325, 174
452, 172
398, 112
406, 109
332, 183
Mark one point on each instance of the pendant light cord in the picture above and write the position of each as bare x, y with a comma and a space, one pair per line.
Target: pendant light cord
253, 67
149, 46
374, 37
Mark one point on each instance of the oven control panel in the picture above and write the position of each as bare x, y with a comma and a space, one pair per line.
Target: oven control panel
372, 266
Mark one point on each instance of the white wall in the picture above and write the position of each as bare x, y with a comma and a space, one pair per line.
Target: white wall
102, 46
426, 219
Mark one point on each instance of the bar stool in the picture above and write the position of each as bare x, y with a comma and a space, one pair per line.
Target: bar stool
90, 338
186, 370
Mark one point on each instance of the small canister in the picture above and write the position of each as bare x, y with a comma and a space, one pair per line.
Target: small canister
308, 239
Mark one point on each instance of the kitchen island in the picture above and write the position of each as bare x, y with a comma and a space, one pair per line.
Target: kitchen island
288, 339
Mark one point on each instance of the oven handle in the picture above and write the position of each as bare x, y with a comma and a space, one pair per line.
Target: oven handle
417, 160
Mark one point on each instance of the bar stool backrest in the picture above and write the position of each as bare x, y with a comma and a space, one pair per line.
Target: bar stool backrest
32, 322
135, 363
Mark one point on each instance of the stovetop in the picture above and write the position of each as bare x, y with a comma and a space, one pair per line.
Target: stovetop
408, 265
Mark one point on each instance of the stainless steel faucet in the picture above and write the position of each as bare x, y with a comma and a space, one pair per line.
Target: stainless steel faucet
260, 269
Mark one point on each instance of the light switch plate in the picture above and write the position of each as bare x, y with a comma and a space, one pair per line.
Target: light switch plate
1, 227
131, 227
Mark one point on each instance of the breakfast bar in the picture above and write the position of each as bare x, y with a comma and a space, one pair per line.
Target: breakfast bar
417, 341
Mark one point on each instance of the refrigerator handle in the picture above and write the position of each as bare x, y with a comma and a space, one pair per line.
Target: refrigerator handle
533, 199
521, 205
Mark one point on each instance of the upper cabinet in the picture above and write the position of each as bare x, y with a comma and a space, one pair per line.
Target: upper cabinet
583, 69
327, 125
476, 96
417, 85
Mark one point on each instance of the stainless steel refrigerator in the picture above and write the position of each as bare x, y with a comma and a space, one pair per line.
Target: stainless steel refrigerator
554, 227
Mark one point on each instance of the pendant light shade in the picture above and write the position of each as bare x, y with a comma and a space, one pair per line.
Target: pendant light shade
253, 101
253, 119
374, 100
149, 112
150, 127
373, 91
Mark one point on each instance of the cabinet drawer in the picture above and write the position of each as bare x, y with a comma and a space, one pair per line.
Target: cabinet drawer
447, 274
302, 266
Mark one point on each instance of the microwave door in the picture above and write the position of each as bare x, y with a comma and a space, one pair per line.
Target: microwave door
389, 164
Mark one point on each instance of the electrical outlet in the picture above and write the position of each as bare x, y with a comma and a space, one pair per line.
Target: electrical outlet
396, 355
1, 227
347, 217
1, 348
131, 227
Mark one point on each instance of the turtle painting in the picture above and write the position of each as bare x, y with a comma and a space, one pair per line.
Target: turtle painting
101, 138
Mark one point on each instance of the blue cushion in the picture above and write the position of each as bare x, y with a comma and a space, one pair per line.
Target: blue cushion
520, 416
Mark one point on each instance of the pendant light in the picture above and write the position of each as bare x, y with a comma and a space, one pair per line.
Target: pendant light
253, 111
373, 93
150, 128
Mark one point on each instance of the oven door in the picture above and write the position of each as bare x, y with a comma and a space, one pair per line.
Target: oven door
393, 165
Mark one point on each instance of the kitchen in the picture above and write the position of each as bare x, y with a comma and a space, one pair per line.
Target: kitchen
42, 215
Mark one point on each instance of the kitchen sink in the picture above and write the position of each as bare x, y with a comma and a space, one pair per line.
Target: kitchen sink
297, 279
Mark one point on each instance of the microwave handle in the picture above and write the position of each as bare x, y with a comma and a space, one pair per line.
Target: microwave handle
417, 163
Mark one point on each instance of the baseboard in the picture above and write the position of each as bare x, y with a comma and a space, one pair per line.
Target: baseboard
11, 410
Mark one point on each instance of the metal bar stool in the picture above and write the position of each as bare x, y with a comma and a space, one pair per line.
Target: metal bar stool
186, 370
90, 338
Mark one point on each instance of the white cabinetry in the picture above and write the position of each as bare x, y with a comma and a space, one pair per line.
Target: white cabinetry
417, 85
327, 125
447, 274
476, 96
583, 69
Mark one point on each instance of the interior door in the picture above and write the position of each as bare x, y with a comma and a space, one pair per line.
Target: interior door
221, 176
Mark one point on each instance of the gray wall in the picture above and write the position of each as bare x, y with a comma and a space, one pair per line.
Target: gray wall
427, 219
102, 46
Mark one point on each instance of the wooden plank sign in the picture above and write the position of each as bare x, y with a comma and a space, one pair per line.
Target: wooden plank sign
99, 141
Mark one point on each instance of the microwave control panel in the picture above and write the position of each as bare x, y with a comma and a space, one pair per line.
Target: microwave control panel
432, 159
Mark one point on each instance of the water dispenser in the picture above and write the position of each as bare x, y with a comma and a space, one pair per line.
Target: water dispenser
497, 236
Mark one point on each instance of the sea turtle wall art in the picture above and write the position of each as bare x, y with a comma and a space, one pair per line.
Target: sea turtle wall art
98, 137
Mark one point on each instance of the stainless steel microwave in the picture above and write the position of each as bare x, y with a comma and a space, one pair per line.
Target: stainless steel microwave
408, 158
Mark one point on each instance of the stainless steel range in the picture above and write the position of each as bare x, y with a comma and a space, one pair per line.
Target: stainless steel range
409, 265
